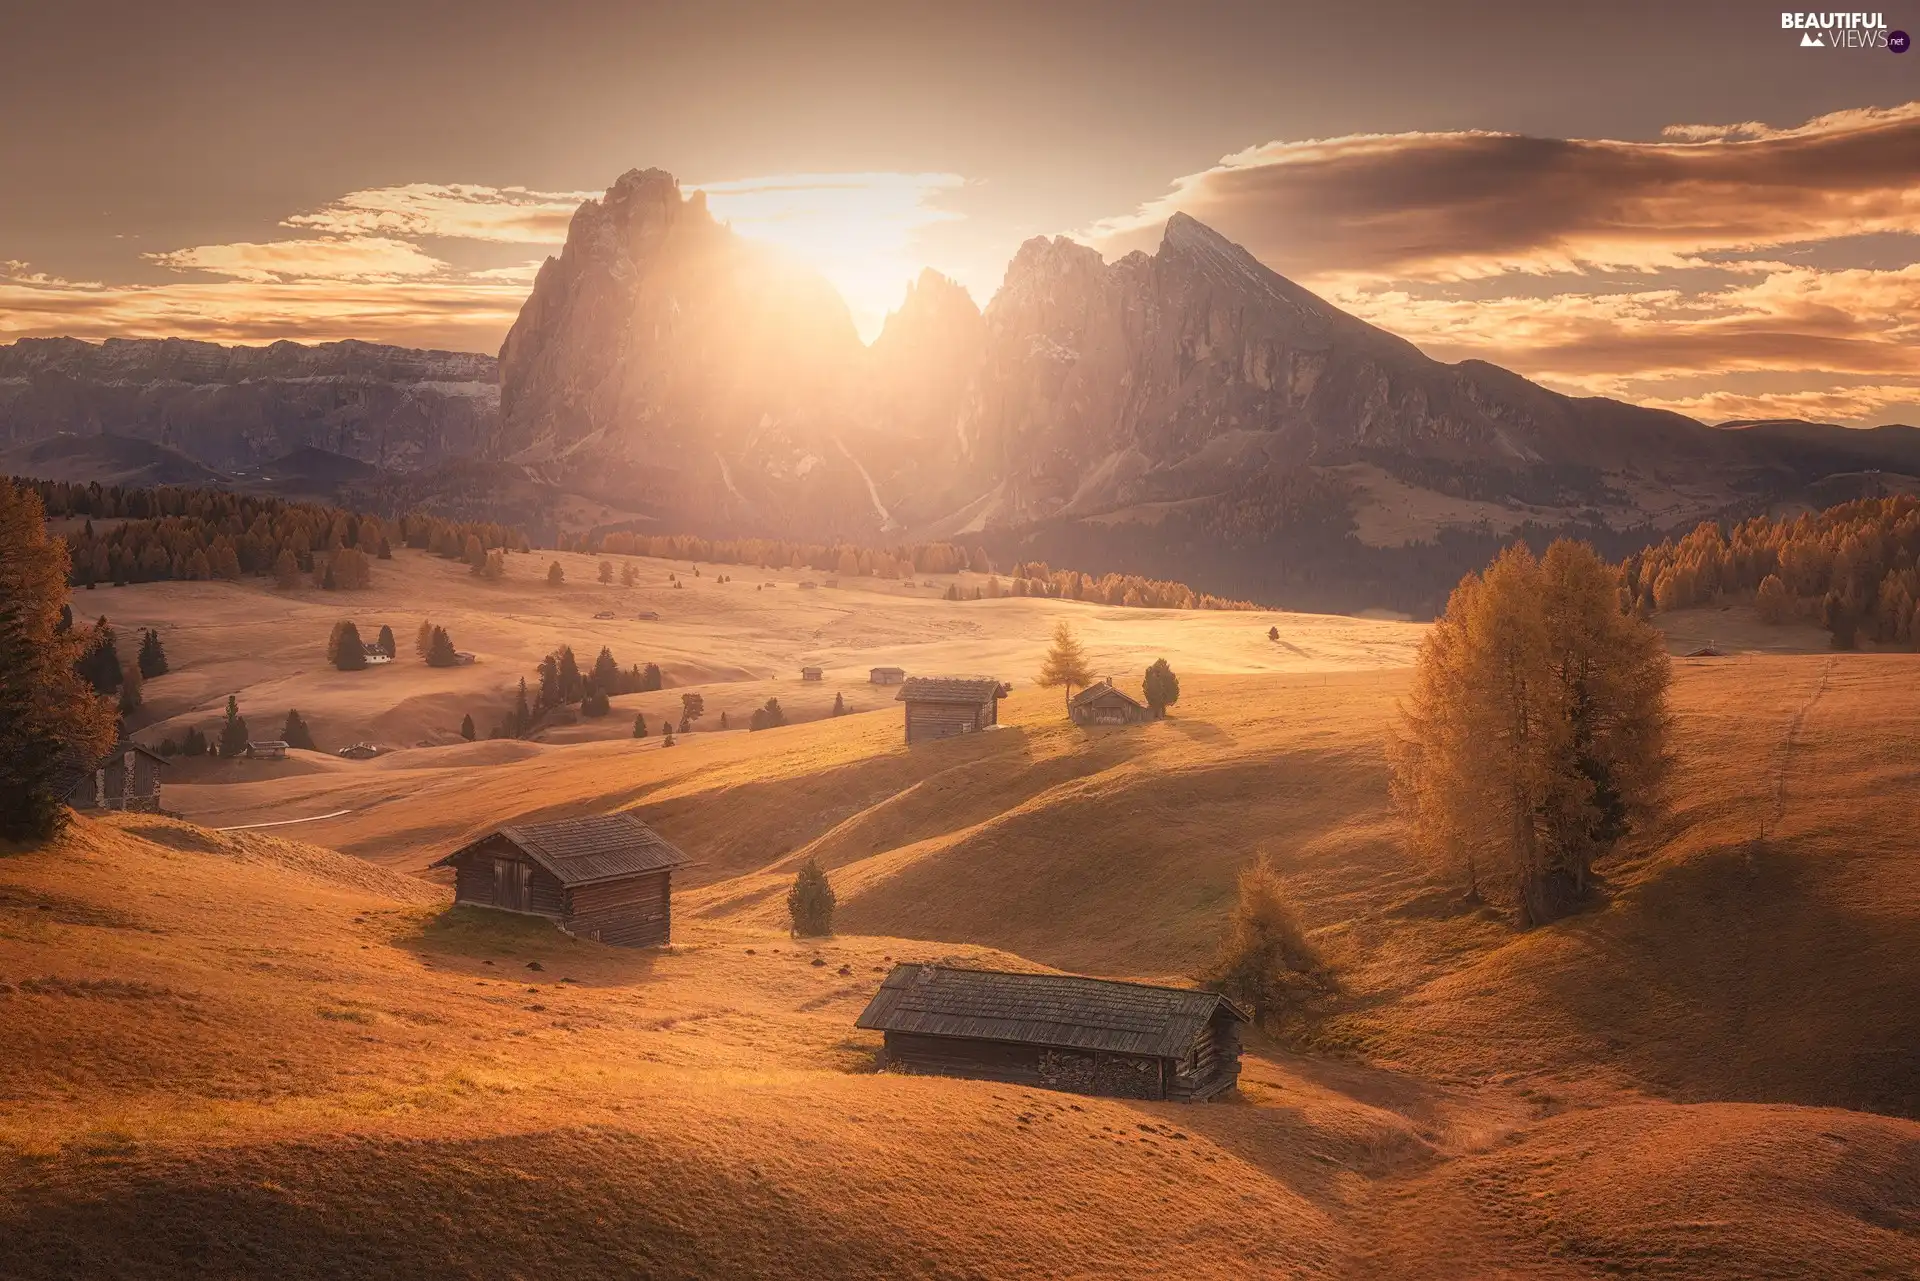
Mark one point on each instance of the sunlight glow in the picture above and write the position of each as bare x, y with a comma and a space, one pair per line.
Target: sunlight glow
859, 230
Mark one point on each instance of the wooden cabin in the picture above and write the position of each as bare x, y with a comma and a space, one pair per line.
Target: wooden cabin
942, 706
811, 673
270, 750
608, 877
886, 676
1106, 704
1059, 1031
126, 778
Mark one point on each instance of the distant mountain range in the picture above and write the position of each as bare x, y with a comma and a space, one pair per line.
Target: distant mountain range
1188, 413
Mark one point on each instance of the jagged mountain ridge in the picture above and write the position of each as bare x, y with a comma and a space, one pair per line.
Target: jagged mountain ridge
236, 408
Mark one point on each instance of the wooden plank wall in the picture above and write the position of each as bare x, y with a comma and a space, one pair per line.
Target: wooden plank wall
944, 720
632, 912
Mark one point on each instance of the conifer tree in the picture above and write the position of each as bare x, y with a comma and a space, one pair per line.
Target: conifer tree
345, 650
295, 732
1066, 662
130, 691
810, 902
522, 714
466, 727
233, 732
1265, 960
555, 574
606, 571
440, 651
639, 725
153, 655
839, 704
423, 639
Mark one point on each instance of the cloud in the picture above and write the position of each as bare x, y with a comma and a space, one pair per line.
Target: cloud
1455, 206
1867, 403
1788, 320
456, 314
361, 258
464, 211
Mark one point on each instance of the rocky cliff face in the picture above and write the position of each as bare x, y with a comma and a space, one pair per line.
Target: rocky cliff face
1168, 376
234, 408
664, 362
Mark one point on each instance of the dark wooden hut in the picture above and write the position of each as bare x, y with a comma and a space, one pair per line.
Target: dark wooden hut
126, 778
608, 878
1092, 1036
942, 706
1106, 704
886, 675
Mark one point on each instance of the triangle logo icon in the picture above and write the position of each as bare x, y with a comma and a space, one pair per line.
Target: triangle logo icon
1810, 41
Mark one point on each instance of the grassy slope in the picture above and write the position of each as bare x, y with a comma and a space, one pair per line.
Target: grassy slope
236, 1056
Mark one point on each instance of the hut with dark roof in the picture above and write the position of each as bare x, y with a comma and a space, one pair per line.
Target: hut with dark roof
942, 706
1060, 1031
608, 877
1104, 703
126, 778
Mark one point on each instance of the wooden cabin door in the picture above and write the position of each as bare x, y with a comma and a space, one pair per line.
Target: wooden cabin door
512, 884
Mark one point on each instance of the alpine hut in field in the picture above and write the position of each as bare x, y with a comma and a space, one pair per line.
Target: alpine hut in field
1106, 704
942, 706
1060, 1031
606, 878
126, 778
886, 675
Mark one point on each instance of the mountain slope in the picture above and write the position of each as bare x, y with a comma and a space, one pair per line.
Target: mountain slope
233, 408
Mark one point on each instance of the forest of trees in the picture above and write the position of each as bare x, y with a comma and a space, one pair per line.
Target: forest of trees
561, 682
1853, 569
177, 532
1027, 578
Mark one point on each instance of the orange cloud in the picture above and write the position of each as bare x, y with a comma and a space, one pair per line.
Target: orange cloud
464, 211
1455, 206
330, 257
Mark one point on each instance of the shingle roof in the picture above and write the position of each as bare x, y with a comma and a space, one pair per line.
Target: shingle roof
1060, 1010
582, 850
1105, 689
947, 689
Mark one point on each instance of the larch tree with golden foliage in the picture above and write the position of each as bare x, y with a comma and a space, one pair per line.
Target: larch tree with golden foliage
1536, 734
1265, 961
51, 720
1066, 662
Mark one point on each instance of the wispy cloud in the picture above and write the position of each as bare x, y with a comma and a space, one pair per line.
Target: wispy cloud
355, 258
462, 211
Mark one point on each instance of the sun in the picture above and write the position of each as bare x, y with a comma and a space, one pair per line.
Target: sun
860, 230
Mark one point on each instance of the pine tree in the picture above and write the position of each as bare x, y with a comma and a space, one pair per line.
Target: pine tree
606, 672
99, 662
522, 714
130, 691
423, 639
1273, 633
650, 679
810, 902
606, 571
153, 655
386, 644
440, 651
839, 704
295, 732
692, 708
555, 574
572, 686
629, 575
466, 727
666, 737
639, 725
345, 650
233, 733
1066, 662
1161, 687
286, 570
385, 551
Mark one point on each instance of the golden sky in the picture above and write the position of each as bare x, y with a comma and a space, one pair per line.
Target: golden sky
1684, 209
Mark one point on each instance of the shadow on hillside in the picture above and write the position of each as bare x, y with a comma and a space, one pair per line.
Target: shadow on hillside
1199, 731
508, 941
1735, 975
559, 1202
177, 836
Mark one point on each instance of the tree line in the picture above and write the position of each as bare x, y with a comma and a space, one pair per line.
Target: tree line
172, 532
1853, 569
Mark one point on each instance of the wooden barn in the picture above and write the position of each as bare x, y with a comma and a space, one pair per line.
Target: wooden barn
272, 749
1106, 704
126, 778
608, 878
942, 706
886, 676
810, 673
1060, 1031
